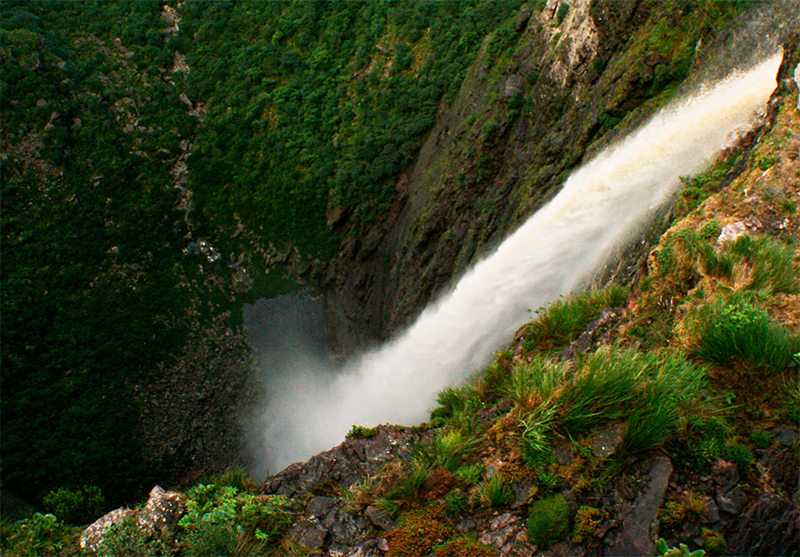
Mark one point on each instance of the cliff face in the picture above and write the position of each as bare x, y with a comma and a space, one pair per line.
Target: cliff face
548, 89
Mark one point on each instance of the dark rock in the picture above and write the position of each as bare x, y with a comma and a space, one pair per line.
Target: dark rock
379, 519
309, 533
605, 442
725, 474
711, 513
318, 506
771, 526
523, 17
732, 501
93, 536
563, 456
522, 492
786, 436
515, 85
637, 528
346, 464
344, 527
466, 525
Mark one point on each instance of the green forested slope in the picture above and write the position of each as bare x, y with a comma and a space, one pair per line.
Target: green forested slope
309, 105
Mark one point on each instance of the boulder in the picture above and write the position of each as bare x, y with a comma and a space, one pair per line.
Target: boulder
92, 538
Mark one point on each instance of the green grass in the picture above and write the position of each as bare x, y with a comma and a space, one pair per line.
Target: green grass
562, 321
732, 331
495, 491
532, 383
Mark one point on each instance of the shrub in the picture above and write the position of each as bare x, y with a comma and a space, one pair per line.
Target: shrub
732, 330
41, 535
128, 539
562, 321
361, 432
456, 502
79, 506
548, 521
470, 473
447, 449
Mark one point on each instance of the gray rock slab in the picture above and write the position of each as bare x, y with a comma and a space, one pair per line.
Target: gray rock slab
637, 528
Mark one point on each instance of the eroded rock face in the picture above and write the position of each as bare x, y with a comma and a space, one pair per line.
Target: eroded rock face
344, 465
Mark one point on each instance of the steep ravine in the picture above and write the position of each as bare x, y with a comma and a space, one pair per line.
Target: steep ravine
541, 93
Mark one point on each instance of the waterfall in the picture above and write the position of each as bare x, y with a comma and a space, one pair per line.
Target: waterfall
601, 206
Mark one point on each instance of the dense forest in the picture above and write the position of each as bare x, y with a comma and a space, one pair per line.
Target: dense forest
280, 110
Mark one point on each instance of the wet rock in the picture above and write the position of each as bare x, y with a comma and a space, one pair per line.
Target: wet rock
92, 538
637, 537
523, 17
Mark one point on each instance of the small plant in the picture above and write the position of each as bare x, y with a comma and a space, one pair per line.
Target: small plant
734, 331
587, 527
663, 550
419, 531
495, 491
710, 230
389, 507
761, 439
464, 547
232, 477
672, 513
741, 456
548, 521
470, 473
788, 206
456, 502
792, 406
547, 479
78, 506
714, 542
361, 432
764, 163
694, 503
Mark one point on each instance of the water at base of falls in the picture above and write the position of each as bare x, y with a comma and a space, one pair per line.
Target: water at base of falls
600, 207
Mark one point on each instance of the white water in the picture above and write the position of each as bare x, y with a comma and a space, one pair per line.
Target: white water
601, 206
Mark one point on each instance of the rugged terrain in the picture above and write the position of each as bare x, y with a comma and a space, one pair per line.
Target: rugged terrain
129, 249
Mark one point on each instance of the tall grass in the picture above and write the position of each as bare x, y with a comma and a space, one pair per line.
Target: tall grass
562, 321
730, 330
535, 382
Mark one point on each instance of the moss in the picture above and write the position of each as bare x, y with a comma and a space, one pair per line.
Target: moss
587, 527
361, 432
548, 521
672, 513
714, 542
464, 547
419, 532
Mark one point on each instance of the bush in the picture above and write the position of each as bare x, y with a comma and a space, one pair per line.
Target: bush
548, 521
128, 539
79, 506
42, 535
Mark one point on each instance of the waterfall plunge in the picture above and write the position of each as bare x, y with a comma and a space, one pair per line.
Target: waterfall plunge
600, 207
